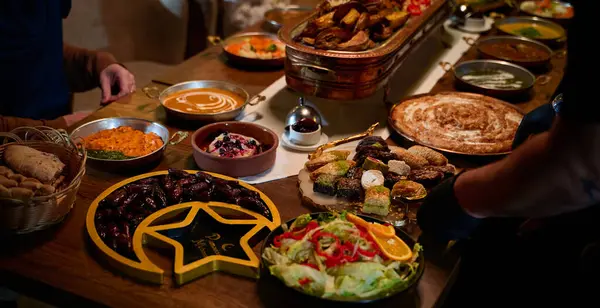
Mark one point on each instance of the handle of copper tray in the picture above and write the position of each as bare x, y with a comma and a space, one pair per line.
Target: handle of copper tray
151, 92
543, 79
469, 40
181, 134
316, 67
319, 150
255, 100
560, 54
215, 40
446, 66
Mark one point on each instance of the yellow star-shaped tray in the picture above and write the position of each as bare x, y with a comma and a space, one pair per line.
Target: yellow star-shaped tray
206, 237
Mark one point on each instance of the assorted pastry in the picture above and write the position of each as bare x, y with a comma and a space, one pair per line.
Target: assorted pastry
119, 214
377, 173
28, 173
120, 143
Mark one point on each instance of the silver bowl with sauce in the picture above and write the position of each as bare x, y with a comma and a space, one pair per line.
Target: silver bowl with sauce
145, 126
535, 21
520, 73
229, 115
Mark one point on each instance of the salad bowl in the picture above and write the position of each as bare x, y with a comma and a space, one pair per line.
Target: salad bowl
366, 270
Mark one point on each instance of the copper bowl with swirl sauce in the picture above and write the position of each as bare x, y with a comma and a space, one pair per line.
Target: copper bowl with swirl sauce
344, 75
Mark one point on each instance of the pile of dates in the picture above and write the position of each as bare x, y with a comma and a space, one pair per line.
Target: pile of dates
119, 214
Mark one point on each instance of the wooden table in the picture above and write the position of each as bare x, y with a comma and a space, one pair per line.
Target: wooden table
60, 267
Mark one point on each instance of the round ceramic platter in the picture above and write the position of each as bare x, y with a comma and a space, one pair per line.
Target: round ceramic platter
205, 238
333, 204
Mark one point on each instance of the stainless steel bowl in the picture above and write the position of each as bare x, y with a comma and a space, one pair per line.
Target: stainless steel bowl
535, 20
519, 72
124, 164
153, 92
510, 39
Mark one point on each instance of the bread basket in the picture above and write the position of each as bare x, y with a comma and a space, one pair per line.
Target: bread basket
40, 212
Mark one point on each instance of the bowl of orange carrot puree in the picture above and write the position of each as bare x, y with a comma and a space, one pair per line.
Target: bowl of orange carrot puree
122, 143
204, 100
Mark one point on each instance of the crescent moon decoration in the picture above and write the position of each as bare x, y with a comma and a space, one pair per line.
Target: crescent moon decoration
207, 237
226, 246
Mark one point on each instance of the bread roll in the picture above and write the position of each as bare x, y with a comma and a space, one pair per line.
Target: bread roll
5, 171
8, 183
4, 192
33, 163
433, 157
413, 160
21, 193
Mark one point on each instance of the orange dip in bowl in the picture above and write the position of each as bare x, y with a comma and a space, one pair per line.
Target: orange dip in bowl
124, 139
203, 101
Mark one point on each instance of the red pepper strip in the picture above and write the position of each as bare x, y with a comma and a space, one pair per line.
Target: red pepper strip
369, 253
425, 2
348, 254
332, 258
304, 281
298, 234
414, 10
278, 239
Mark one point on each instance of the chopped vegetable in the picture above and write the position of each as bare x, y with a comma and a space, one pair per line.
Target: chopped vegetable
339, 256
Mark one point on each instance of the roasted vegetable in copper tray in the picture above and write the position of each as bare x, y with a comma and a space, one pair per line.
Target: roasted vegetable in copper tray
358, 25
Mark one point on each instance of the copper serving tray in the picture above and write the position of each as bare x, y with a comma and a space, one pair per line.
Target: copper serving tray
352, 75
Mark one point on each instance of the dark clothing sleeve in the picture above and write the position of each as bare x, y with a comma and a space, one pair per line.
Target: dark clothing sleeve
83, 67
9, 123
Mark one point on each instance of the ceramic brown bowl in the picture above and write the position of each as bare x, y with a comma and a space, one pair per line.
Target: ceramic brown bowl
236, 167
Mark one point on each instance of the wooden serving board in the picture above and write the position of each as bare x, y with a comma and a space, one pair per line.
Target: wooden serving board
324, 202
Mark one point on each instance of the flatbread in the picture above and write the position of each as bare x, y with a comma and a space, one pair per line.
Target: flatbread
30, 162
459, 122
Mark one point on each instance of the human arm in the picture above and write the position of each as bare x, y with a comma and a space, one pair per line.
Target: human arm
9, 123
86, 69
553, 173
550, 174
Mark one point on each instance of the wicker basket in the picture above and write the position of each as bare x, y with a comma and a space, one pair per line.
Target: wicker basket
40, 212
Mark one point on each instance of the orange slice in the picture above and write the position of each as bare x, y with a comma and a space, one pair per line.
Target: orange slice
385, 231
357, 220
393, 247
381, 230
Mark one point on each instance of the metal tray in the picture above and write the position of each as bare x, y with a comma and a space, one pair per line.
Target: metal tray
414, 140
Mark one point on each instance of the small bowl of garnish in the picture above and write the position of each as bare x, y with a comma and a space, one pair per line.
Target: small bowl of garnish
555, 10
253, 49
305, 132
235, 148
123, 143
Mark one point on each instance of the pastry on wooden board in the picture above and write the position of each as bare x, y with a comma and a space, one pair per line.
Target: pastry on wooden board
326, 158
337, 168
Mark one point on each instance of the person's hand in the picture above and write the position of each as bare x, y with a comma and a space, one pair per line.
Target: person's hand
73, 118
116, 75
